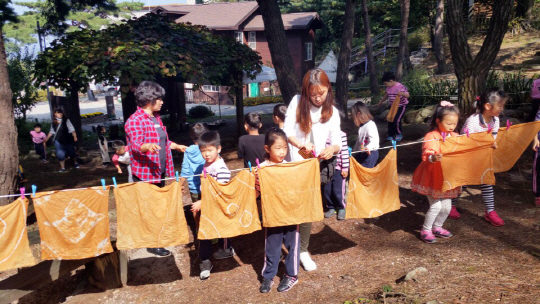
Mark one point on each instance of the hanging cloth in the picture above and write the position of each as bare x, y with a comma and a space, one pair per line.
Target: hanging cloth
512, 142
15, 251
393, 110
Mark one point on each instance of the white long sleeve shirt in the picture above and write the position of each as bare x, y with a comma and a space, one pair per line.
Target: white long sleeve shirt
321, 131
368, 136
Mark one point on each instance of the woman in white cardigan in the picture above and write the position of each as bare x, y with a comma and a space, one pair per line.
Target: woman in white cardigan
310, 121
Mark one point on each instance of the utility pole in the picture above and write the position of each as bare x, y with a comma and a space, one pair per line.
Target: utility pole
41, 49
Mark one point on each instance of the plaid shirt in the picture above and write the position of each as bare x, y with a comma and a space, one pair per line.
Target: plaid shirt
140, 130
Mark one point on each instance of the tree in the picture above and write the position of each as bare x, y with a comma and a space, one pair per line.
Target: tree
21, 78
438, 38
472, 71
525, 9
344, 56
279, 49
373, 85
402, 50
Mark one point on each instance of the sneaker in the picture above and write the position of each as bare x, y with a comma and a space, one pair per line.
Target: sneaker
389, 138
206, 267
62, 170
341, 214
287, 283
329, 213
307, 262
442, 233
77, 166
159, 251
223, 253
537, 201
494, 218
399, 137
266, 285
427, 236
454, 214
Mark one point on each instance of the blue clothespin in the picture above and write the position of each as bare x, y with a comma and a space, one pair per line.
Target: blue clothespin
177, 176
114, 182
249, 164
23, 191
34, 188
394, 144
350, 151
103, 184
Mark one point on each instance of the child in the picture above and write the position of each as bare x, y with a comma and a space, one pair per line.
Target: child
193, 163
122, 157
368, 136
488, 108
103, 145
40, 145
535, 98
428, 177
394, 89
279, 115
251, 146
276, 147
334, 191
210, 146
536, 170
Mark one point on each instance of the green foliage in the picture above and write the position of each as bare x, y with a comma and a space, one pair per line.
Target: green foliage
20, 68
517, 85
200, 112
417, 39
255, 101
387, 288
425, 90
7, 14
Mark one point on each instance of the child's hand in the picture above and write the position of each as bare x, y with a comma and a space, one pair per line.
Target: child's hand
495, 146
196, 207
367, 151
435, 158
344, 174
536, 144
119, 171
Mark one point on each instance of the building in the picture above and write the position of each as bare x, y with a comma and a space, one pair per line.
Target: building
243, 21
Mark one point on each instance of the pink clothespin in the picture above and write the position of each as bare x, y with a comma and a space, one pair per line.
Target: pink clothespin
508, 124
490, 128
204, 172
258, 164
23, 191
467, 132
313, 152
443, 136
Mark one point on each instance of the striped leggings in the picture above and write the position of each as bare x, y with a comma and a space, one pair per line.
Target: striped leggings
487, 196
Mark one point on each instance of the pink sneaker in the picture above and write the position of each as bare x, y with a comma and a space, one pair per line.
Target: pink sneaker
442, 233
494, 218
427, 236
454, 214
537, 202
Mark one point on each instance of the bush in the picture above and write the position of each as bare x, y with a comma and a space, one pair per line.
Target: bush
200, 112
91, 114
426, 91
417, 39
255, 101
517, 85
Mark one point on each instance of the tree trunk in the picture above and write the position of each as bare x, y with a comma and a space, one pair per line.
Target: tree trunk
9, 157
373, 84
438, 38
239, 111
344, 57
524, 9
405, 7
279, 49
129, 106
472, 72
73, 112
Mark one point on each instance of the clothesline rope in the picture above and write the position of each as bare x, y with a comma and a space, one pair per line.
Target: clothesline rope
234, 170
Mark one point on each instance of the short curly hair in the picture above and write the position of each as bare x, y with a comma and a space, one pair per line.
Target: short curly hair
148, 92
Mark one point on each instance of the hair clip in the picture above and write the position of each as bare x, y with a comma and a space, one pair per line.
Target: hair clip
394, 144
249, 164
177, 176
34, 188
443, 136
477, 98
103, 184
258, 164
204, 172
23, 191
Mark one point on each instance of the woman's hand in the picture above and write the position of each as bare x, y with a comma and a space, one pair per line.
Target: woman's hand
181, 148
309, 147
152, 148
536, 144
196, 207
327, 153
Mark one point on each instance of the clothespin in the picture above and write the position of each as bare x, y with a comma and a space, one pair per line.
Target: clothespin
204, 172
443, 136
508, 124
490, 128
313, 152
394, 144
34, 188
466, 130
177, 176
249, 164
23, 191
258, 164
350, 151
103, 184
114, 182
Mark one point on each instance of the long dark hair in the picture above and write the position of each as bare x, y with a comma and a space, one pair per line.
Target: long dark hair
312, 80
492, 96
443, 108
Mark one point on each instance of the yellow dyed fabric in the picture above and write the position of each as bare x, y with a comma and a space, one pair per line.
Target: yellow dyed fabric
373, 191
149, 216
230, 209
467, 160
73, 224
511, 143
291, 193
393, 110
14, 248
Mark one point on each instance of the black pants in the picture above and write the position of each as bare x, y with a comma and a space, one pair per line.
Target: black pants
40, 150
334, 192
395, 127
205, 247
274, 237
367, 161
536, 175
535, 107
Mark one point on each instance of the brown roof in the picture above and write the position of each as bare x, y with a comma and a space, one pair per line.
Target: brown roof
290, 21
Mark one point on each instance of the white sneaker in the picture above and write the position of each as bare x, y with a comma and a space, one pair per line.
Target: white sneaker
307, 262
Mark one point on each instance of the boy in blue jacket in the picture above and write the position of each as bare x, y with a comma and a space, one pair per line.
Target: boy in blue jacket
193, 162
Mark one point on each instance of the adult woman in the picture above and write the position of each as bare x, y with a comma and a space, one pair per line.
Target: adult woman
148, 143
310, 121
64, 138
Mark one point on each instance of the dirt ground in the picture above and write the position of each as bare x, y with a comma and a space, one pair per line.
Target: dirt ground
356, 259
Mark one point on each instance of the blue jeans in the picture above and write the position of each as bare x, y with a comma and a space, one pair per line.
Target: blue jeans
63, 150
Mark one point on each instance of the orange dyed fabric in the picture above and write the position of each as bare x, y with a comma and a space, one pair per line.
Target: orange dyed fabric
512, 143
373, 191
291, 193
149, 216
393, 110
467, 160
73, 224
14, 249
230, 209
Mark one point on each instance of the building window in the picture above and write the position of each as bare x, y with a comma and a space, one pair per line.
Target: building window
252, 41
309, 51
239, 36
210, 88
